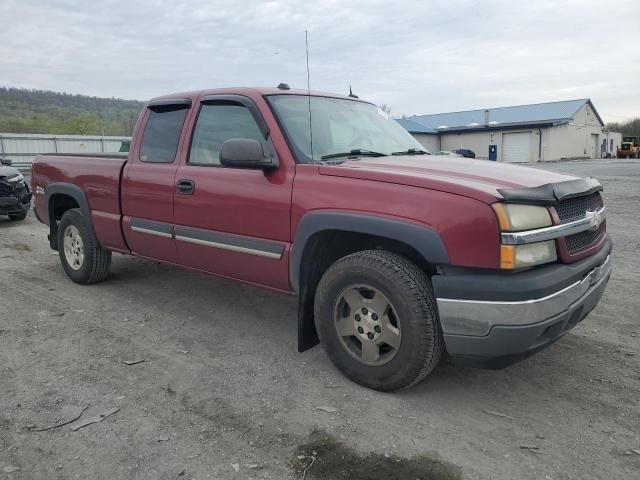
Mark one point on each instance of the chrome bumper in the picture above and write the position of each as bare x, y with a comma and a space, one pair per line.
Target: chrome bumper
477, 318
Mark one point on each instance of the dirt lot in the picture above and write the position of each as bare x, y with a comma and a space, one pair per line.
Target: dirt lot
222, 392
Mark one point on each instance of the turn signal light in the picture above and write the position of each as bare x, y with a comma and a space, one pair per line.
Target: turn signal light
507, 257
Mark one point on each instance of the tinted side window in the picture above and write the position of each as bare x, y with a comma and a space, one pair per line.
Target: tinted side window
161, 135
217, 123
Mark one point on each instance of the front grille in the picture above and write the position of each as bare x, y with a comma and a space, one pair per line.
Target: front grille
583, 240
573, 209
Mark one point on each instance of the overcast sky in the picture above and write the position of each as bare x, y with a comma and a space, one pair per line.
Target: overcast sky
418, 56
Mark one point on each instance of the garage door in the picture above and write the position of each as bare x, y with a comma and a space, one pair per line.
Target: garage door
516, 147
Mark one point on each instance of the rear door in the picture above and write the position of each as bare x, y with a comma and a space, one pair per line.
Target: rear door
149, 180
233, 222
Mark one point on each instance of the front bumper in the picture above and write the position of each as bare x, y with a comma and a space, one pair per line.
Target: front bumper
523, 314
14, 204
14, 200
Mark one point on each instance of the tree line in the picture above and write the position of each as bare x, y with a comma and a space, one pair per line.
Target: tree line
629, 128
43, 111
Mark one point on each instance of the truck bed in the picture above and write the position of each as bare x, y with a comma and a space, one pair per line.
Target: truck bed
96, 177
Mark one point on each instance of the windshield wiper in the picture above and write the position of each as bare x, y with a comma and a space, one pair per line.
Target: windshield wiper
411, 151
356, 152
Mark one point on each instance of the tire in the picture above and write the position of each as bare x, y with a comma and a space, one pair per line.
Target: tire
371, 278
18, 216
84, 261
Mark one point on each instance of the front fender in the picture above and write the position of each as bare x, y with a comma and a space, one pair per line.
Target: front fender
425, 241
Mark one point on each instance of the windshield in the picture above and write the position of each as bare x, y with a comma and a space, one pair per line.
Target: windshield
339, 126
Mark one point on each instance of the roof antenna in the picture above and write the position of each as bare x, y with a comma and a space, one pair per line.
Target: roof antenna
351, 93
306, 44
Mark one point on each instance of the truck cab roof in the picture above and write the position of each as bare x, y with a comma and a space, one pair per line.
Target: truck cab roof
252, 92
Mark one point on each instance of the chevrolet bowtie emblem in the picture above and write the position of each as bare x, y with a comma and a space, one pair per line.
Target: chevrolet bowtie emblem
595, 219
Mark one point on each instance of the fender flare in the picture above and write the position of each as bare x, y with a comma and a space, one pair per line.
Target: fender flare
69, 190
424, 240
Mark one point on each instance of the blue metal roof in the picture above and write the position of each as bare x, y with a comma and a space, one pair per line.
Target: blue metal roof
413, 127
535, 114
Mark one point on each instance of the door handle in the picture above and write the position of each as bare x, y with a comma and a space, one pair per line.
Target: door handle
185, 187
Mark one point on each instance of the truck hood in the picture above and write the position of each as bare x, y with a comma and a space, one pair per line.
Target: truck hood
479, 179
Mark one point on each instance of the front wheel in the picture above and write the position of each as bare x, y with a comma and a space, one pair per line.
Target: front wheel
377, 320
83, 260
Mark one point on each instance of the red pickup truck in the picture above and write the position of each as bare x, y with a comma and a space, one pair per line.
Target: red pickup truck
397, 256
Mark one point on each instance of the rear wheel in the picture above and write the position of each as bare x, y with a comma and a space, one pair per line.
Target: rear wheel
83, 260
18, 216
377, 320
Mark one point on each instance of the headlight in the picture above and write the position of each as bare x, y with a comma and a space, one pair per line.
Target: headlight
16, 178
513, 217
522, 256
517, 218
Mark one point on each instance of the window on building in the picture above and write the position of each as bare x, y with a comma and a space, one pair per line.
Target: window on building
217, 123
162, 133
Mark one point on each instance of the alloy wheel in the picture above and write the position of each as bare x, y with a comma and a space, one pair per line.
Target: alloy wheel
367, 325
73, 247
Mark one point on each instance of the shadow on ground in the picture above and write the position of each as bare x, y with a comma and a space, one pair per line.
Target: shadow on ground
323, 457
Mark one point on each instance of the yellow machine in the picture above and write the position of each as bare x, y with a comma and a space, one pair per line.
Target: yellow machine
630, 147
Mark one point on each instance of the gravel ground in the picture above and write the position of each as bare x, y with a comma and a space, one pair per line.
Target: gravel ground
222, 393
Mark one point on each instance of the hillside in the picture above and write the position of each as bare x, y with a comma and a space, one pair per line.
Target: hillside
41, 111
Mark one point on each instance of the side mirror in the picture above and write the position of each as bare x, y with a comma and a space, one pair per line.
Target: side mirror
6, 162
245, 153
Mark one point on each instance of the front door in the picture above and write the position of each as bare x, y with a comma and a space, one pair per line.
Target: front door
233, 221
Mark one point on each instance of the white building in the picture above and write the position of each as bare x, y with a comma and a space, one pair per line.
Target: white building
524, 133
